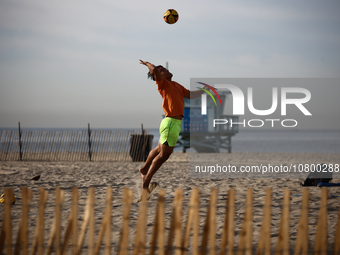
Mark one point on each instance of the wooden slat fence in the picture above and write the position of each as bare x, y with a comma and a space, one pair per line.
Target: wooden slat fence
175, 239
74, 145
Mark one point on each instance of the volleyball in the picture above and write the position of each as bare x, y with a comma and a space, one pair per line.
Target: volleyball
2, 199
170, 16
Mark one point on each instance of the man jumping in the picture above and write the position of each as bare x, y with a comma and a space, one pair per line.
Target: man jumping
173, 95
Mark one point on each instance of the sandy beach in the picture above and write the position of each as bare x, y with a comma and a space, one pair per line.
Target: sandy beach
173, 174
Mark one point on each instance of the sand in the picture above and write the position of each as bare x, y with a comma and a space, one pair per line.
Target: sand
172, 175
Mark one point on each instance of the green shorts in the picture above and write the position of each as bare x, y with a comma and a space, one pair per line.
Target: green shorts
169, 131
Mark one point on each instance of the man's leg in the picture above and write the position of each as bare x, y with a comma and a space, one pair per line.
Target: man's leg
159, 159
152, 154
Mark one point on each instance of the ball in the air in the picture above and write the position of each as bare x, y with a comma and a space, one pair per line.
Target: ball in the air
170, 16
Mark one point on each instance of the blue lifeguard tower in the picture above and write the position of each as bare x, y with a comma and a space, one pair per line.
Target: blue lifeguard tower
198, 131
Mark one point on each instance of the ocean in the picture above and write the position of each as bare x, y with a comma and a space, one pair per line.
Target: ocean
296, 141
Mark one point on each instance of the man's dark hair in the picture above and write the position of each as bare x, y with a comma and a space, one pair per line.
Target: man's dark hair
150, 76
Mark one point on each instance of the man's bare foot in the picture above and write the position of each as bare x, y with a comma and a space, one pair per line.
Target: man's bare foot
153, 187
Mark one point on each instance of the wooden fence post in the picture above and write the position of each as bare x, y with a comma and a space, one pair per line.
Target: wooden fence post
20, 144
228, 234
161, 223
105, 227
158, 228
23, 230
176, 226
55, 230
59, 201
192, 221
6, 230
283, 237
209, 231
86, 219
74, 215
245, 244
301, 246
107, 250
140, 239
89, 134
91, 248
38, 239
123, 248
72, 225
337, 237
264, 240
321, 229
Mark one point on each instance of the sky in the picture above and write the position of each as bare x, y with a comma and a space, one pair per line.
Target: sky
64, 64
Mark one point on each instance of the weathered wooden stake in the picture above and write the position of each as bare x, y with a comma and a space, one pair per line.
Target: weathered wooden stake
176, 226
75, 200
337, 237
38, 239
89, 133
158, 228
192, 215
321, 229
86, 219
107, 250
26, 200
91, 223
20, 144
7, 221
245, 244
124, 237
105, 228
209, 231
72, 226
264, 240
228, 234
140, 239
282, 246
55, 230
301, 246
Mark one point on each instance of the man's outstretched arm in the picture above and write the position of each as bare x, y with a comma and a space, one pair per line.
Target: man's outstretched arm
153, 70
